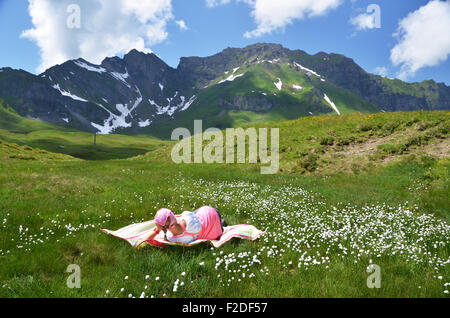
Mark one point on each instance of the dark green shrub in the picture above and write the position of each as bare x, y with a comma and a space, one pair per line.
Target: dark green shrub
392, 148
327, 141
415, 141
309, 163
389, 127
343, 142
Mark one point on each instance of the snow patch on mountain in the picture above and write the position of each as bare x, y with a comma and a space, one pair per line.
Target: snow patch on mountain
161, 86
160, 110
96, 69
331, 103
68, 94
121, 77
279, 84
170, 109
258, 60
117, 121
145, 123
307, 70
189, 103
231, 78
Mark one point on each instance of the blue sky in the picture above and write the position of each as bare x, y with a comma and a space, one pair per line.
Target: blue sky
211, 29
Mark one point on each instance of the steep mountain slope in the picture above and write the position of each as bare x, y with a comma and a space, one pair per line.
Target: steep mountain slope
139, 93
117, 93
261, 90
388, 94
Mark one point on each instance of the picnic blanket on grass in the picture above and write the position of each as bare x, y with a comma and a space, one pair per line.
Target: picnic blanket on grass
134, 234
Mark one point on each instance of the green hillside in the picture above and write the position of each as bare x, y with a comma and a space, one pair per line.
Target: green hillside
10, 121
59, 139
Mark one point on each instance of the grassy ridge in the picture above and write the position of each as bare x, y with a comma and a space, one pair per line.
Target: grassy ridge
351, 142
14, 151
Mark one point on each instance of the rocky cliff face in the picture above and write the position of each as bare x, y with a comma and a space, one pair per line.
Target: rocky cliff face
202, 70
255, 104
387, 94
118, 93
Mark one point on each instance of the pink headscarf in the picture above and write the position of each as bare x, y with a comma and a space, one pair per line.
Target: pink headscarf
162, 215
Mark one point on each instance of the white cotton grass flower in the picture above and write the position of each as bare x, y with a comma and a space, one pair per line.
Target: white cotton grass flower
314, 233
301, 230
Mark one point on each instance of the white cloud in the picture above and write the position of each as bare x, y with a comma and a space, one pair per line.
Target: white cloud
215, 3
381, 70
423, 38
272, 15
107, 28
364, 21
182, 25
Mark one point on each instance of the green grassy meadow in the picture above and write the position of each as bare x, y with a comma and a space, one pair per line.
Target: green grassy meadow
352, 190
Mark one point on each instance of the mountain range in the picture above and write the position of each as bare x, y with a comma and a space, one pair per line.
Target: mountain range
141, 94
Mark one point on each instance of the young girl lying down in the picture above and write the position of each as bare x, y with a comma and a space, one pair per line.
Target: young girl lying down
204, 223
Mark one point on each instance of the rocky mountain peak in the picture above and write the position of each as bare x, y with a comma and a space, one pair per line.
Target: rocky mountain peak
114, 63
141, 90
144, 64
